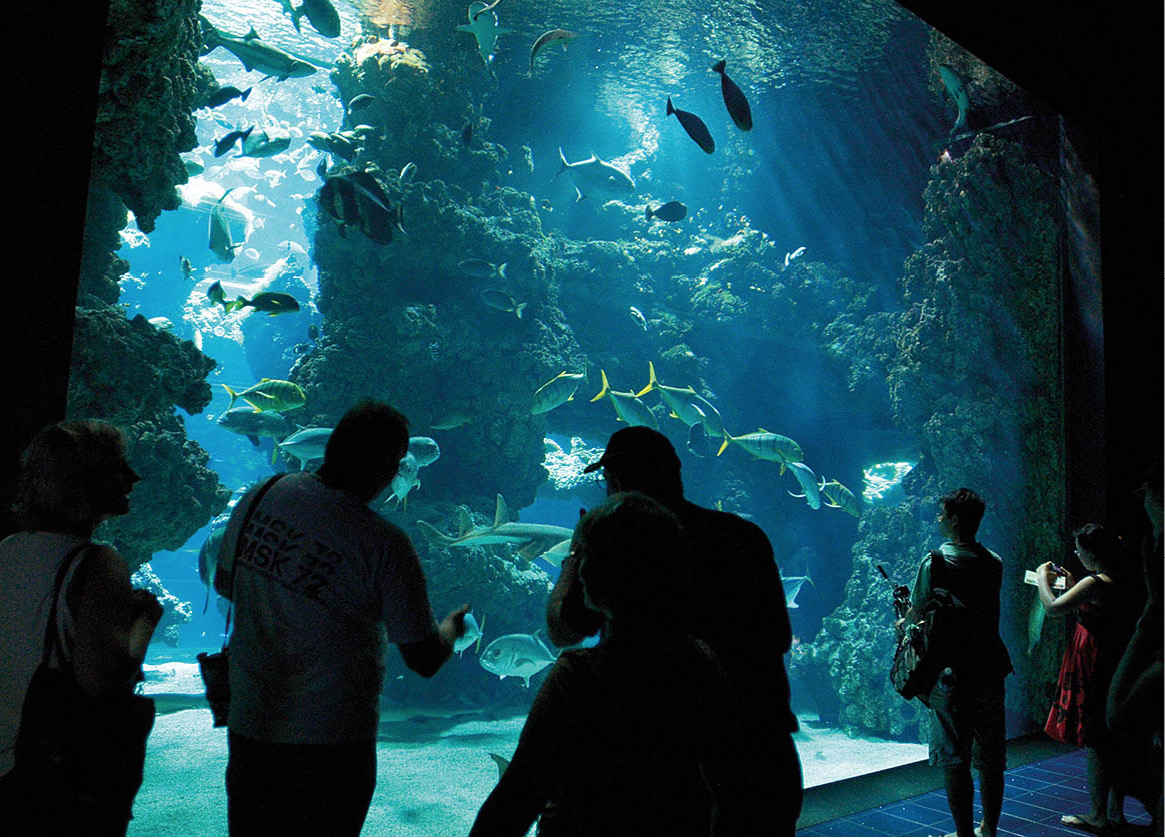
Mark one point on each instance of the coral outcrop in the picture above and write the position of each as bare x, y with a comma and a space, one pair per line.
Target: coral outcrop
974, 374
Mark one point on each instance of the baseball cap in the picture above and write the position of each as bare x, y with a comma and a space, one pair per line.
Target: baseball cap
637, 449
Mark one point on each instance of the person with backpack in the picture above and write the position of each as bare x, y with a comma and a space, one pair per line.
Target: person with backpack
966, 701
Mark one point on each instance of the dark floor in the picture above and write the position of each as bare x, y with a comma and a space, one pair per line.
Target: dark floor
1036, 795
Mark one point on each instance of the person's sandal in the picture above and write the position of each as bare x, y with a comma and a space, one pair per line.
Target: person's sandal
1085, 823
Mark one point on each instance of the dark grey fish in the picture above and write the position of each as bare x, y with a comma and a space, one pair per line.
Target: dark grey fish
734, 99
358, 200
322, 168
671, 211
361, 102
225, 94
695, 127
224, 145
321, 14
467, 134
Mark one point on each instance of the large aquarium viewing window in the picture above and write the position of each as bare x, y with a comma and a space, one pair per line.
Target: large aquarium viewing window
527, 226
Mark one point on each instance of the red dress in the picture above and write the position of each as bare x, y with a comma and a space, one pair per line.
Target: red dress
1077, 714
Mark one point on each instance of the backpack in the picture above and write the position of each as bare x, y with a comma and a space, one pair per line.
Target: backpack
930, 638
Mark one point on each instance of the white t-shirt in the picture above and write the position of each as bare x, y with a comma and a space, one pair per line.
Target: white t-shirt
29, 562
321, 585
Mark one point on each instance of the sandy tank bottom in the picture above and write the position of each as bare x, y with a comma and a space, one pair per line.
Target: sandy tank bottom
433, 771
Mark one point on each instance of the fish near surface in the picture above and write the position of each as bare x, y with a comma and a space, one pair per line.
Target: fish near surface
734, 99
219, 231
628, 407
563, 35
222, 146
695, 127
225, 94
255, 53
810, 488
270, 394
217, 295
483, 25
557, 391
517, 656
595, 178
671, 211
320, 14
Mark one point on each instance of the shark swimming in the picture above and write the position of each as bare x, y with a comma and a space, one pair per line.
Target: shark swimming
595, 178
483, 25
255, 53
534, 539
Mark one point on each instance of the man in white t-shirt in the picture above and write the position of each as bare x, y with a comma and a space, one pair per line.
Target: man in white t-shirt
321, 585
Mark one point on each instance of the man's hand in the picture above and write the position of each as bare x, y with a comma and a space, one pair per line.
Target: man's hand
453, 626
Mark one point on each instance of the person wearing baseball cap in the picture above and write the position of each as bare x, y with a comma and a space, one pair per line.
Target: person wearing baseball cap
734, 602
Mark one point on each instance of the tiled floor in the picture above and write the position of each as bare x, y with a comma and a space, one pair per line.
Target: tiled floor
1035, 797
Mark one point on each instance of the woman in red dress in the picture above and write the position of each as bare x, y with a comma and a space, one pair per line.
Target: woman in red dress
1098, 601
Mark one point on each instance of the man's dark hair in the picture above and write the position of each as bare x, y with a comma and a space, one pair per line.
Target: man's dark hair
967, 507
365, 448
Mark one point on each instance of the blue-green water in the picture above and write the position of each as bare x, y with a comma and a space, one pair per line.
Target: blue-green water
780, 297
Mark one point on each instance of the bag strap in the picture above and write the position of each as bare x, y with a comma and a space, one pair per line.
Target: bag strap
242, 531
50, 632
938, 569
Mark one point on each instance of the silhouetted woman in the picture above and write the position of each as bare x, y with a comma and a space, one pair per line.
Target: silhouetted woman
73, 476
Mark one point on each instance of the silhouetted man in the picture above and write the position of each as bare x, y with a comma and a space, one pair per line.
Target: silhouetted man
735, 603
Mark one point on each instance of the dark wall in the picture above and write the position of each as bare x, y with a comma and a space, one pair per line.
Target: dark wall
1101, 72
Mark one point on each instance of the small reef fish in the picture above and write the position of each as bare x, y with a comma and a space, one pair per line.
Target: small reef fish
255, 53
482, 268
357, 199
225, 94
362, 101
467, 134
500, 300
343, 144
838, 496
671, 211
517, 655
695, 127
532, 540
557, 391
219, 231
796, 254
792, 586
473, 634
222, 146
451, 420
688, 406
186, 268
637, 318
406, 174
193, 167
958, 92
594, 178
628, 407
734, 99
563, 35
245, 421
769, 446
272, 302
810, 488
266, 143
306, 444
483, 25
216, 295
270, 395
